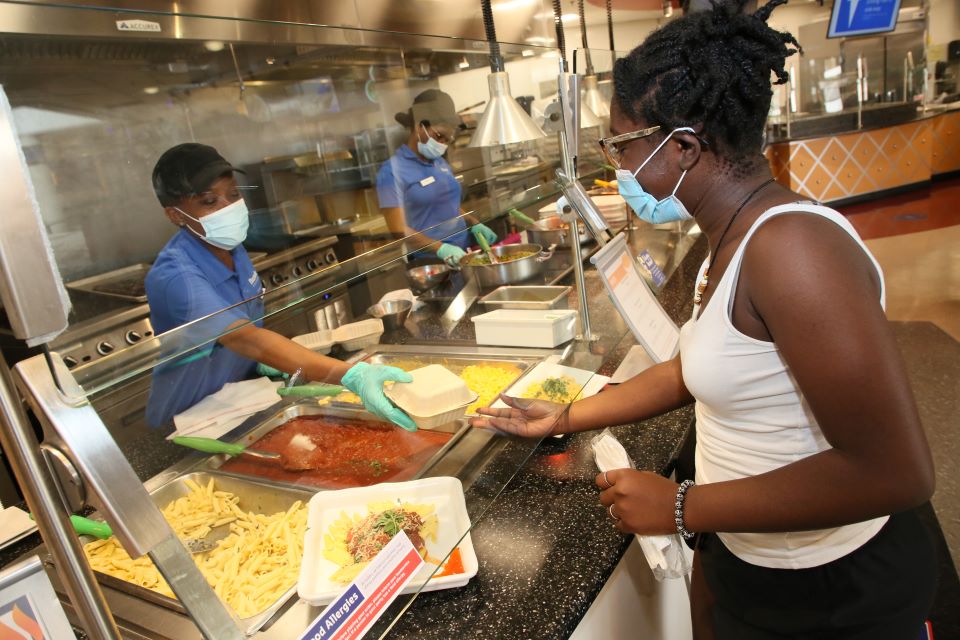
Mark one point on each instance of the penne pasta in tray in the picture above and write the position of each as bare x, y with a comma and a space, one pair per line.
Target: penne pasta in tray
253, 570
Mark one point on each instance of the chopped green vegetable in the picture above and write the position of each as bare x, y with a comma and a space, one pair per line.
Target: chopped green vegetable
555, 386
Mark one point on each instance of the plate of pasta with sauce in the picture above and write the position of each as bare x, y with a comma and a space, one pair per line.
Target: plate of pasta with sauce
347, 528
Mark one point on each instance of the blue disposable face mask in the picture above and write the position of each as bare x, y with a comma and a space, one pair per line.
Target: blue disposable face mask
647, 207
225, 228
431, 149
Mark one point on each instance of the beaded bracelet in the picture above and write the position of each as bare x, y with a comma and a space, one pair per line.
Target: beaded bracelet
678, 512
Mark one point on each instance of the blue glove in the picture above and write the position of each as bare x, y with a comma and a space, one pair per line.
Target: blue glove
450, 253
367, 380
270, 372
481, 229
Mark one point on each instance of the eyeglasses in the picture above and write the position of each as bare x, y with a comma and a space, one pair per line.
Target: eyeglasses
612, 147
442, 137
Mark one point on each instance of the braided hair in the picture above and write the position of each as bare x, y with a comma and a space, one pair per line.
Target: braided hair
711, 67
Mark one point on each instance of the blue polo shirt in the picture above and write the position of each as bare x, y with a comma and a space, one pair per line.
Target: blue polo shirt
186, 283
428, 193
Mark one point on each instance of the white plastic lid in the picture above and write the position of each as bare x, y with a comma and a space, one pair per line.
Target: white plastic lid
317, 340
359, 329
434, 390
526, 316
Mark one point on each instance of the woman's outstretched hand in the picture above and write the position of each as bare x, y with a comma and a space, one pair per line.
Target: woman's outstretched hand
523, 417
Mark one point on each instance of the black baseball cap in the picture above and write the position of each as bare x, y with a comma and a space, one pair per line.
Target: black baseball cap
432, 106
187, 170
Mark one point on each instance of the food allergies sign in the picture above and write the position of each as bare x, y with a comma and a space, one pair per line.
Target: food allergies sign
362, 603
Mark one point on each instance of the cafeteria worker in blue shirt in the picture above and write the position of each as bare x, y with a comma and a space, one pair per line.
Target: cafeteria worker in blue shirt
204, 272
417, 189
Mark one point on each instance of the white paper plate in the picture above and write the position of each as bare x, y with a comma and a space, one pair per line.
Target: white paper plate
445, 493
591, 382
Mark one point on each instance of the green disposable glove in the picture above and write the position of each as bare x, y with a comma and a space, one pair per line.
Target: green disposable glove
366, 380
270, 372
450, 253
481, 229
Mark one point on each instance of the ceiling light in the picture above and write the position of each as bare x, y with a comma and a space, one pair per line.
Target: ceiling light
510, 5
151, 90
504, 121
213, 45
588, 118
593, 99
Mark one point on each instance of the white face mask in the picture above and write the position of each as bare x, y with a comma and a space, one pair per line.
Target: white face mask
431, 149
225, 228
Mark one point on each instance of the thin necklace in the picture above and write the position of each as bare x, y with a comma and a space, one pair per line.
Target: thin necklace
702, 287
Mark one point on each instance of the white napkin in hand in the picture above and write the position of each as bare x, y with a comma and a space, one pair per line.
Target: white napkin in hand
220, 412
664, 554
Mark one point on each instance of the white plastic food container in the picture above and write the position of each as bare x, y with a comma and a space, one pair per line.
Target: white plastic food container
319, 341
358, 335
445, 494
436, 396
526, 327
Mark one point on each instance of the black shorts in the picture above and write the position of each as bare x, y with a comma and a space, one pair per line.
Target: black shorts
881, 591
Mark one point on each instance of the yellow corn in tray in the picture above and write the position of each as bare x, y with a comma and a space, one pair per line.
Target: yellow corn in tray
486, 380
249, 570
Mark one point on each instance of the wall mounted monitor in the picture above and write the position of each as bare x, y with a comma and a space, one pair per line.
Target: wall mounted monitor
862, 17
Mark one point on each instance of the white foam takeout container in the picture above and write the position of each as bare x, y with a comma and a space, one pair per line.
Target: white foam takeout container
526, 327
319, 341
436, 396
444, 493
358, 335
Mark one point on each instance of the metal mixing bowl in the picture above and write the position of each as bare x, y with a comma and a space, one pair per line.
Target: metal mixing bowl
393, 313
427, 276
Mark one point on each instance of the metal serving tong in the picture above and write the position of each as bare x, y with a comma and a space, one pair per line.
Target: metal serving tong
101, 530
211, 445
291, 388
522, 217
486, 248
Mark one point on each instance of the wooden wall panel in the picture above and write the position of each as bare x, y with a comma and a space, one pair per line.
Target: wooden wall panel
853, 164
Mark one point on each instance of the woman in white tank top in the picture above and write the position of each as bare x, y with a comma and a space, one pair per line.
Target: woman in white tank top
808, 438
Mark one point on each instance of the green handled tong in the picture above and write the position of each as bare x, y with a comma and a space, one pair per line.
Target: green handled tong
101, 530
212, 445
486, 248
522, 217
87, 527
311, 390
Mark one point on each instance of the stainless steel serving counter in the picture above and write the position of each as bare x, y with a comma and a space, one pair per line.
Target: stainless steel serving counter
484, 463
